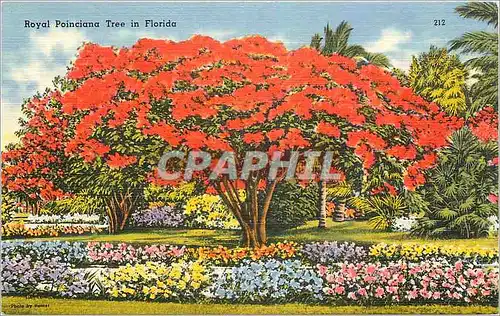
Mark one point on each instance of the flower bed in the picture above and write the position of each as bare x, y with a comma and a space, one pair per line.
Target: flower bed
332, 252
384, 252
268, 281
427, 281
180, 281
225, 256
24, 275
20, 230
284, 272
120, 254
60, 219
75, 253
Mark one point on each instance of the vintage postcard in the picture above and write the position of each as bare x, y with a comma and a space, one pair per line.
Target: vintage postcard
249, 157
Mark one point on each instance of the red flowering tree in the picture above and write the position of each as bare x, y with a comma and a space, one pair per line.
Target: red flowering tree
127, 106
33, 169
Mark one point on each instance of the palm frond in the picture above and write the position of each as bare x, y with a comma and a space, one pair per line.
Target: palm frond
480, 42
354, 51
378, 59
316, 41
341, 36
481, 11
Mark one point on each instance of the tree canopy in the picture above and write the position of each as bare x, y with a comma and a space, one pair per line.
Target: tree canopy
118, 110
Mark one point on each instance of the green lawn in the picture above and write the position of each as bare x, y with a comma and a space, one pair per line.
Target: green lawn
22, 305
355, 231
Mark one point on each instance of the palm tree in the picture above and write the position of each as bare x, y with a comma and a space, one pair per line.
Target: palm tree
458, 188
337, 42
485, 46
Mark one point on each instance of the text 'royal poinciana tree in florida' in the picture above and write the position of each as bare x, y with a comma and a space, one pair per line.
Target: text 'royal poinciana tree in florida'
124, 108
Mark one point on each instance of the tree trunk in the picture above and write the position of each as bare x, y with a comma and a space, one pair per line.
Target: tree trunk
119, 208
322, 205
248, 212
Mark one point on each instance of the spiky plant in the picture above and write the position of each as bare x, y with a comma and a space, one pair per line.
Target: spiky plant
385, 209
457, 190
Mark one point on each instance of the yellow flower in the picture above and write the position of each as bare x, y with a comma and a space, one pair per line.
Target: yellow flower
181, 285
114, 292
128, 290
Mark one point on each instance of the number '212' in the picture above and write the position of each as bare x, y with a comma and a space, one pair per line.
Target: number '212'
439, 22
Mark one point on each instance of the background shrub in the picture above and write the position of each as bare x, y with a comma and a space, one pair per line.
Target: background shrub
162, 216
457, 190
208, 211
292, 206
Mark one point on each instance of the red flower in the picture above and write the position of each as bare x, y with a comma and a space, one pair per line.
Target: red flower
116, 161
328, 129
493, 198
403, 152
253, 138
195, 139
275, 134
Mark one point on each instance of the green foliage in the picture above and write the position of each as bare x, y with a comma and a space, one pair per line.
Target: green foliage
377, 59
440, 77
457, 190
484, 45
9, 208
81, 204
292, 205
171, 195
385, 209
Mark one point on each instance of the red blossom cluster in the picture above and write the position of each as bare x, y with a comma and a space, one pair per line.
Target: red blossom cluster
485, 124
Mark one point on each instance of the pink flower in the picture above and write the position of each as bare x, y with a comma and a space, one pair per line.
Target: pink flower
471, 291
436, 295
459, 265
351, 273
456, 295
108, 245
330, 278
322, 270
392, 289
362, 292
370, 269
339, 290
461, 279
412, 294
485, 292
379, 292
425, 294
352, 296
493, 198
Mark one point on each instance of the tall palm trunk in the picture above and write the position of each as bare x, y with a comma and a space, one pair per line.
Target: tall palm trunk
322, 205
